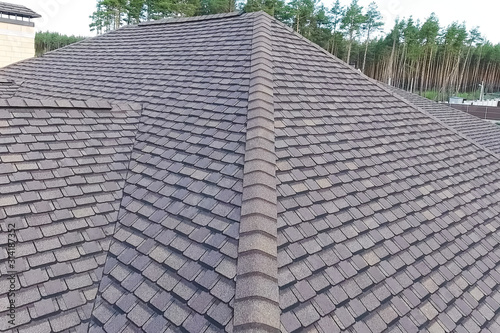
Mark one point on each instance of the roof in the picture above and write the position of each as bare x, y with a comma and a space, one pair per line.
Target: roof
270, 188
8, 87
17, 10
480, 131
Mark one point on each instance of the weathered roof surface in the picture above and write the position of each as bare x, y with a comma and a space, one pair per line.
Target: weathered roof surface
12, 9
62, 171
482, 132
271, 187
8, 87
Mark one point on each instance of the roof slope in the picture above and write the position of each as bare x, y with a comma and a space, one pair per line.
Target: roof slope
8, 88
12, 9
385, 215
271, 187
482, 132
62, 172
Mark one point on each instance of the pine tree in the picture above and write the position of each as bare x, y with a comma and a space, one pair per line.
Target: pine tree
373, 22
351, 23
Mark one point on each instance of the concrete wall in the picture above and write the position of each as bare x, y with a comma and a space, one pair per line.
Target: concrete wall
17, 42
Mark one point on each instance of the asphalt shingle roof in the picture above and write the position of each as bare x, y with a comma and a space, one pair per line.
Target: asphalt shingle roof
62, 172
13, 9
480, 131
270, 187
8, 88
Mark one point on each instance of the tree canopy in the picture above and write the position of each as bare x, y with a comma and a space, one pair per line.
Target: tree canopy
49, 41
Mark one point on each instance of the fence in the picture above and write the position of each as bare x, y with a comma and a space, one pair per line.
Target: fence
483, 112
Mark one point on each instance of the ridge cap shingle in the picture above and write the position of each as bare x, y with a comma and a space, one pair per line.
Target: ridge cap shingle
172, 20
256, 305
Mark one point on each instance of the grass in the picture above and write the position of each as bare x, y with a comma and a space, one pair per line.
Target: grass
470, 95
434, 95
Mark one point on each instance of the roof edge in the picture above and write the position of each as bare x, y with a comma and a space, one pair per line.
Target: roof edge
382, 86
256, 304
173, 20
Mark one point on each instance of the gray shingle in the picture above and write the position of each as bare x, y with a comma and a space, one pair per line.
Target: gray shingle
384, 219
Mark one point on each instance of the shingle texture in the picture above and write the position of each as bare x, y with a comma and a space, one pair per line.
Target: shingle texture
270, 187
482, 132
17, 10
379, 222
62, 171
8, 88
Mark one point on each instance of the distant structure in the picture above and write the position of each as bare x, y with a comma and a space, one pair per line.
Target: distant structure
17, 33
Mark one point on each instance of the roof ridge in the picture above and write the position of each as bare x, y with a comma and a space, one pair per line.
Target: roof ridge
172, 20
256, 305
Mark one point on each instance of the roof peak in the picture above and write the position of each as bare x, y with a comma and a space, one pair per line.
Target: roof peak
19, 10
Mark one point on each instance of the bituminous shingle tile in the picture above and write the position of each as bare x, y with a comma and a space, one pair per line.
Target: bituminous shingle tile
139, 315
394, 185
155, 324
73, 299
201, 302
177, 313
54, 287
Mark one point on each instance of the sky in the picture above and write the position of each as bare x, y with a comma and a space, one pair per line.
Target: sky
71, 17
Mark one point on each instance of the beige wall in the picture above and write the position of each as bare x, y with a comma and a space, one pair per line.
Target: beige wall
17, 43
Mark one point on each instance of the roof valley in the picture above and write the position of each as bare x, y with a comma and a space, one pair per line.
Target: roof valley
256, 304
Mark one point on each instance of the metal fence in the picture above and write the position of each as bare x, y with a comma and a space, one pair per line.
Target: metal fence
483, 112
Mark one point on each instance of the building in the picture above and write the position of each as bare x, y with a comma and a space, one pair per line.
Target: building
223, 174
17, 33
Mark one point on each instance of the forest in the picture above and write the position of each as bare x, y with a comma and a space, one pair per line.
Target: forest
49, 41
423, 57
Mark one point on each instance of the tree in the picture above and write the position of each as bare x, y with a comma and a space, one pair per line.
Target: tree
428, 35
336, 15
351, 23
303, 15
134, 10
49, 41
269, 6
393, 38
373, 22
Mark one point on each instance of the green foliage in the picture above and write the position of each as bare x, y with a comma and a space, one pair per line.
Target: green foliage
49, 41
112, 14
353, 19
352, 22
431, 94
271, 7
472, 95
372, 20
429, 30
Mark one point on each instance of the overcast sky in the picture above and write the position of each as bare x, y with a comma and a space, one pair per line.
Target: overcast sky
72, 16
